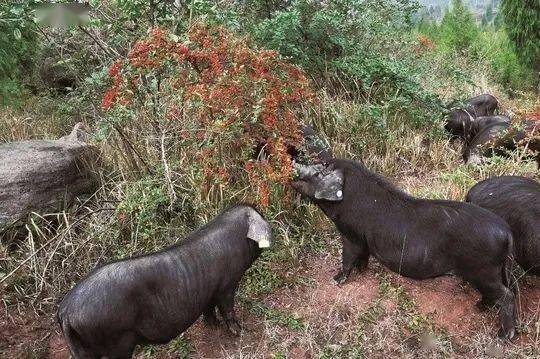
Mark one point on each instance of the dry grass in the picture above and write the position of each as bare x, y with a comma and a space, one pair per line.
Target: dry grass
277, 300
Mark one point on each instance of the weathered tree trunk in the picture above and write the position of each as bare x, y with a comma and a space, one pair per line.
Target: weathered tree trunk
44, 176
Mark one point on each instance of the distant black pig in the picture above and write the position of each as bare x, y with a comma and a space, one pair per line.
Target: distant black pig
459, 120
155, 297
499, 138
517, 200
414, 237
481, 143
482, 122
483, 105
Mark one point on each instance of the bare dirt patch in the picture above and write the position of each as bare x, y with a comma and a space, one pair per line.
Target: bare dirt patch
450, 303
216, 342
24, 336
321, 299
528, 303
328, 311
57, 347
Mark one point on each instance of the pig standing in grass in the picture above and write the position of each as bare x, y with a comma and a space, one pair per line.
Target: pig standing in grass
501, 137
153, 298
414, 237
459, 120
517, 200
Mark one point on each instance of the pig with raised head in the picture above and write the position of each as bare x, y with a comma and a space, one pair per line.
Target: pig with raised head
517, 200
417, 238
151, 299
313, 148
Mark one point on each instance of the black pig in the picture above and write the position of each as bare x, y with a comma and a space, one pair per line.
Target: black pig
414, 237
314, 148
482, 122
153, 298
499, 138
483, 105
459, 120
517, 200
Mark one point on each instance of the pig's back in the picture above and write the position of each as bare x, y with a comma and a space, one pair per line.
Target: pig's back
163, 293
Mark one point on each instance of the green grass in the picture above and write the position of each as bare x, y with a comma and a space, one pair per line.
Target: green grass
277, 316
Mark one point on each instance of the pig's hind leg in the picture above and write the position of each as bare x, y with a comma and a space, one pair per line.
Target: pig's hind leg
123, 347
225, 304
489, 283
79, 352
77, 348
209, 315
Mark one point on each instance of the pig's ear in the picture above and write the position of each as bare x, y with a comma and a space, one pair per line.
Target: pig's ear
330, 187
259, 229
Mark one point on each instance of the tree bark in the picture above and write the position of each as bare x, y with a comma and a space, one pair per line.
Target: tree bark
44, 176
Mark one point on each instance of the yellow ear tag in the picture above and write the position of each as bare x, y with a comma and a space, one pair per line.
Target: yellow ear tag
264, 243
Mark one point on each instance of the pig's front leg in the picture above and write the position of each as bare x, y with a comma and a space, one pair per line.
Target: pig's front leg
352, 255
226, 308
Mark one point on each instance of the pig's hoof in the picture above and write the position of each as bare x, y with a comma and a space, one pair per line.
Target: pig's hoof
340, 278
234, 328
483, 306
211, 321
506, 334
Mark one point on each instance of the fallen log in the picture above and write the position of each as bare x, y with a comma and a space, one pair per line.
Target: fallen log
44, 176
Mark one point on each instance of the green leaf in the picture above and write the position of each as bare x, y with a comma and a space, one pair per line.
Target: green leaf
16, 10
17, 34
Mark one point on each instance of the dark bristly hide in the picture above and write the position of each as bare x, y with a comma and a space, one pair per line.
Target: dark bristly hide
153, 298
459, 120
314, 148
480, 145
482, 122
414, 237
517, 200
501, 137
483, 105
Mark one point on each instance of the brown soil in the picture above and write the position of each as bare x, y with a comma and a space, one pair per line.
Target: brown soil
450, 303
447, 301
25, 336
320, 300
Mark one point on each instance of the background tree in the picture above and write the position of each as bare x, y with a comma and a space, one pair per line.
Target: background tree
458, 28
488, 15
17, 49
522, 20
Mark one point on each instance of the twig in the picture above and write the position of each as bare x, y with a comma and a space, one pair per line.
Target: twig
49, 242
42, 282
172, 194
99, 43
124, 137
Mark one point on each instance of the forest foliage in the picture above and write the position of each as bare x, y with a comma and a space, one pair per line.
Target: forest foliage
459, 36
182, 95
522, 20
210, 82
